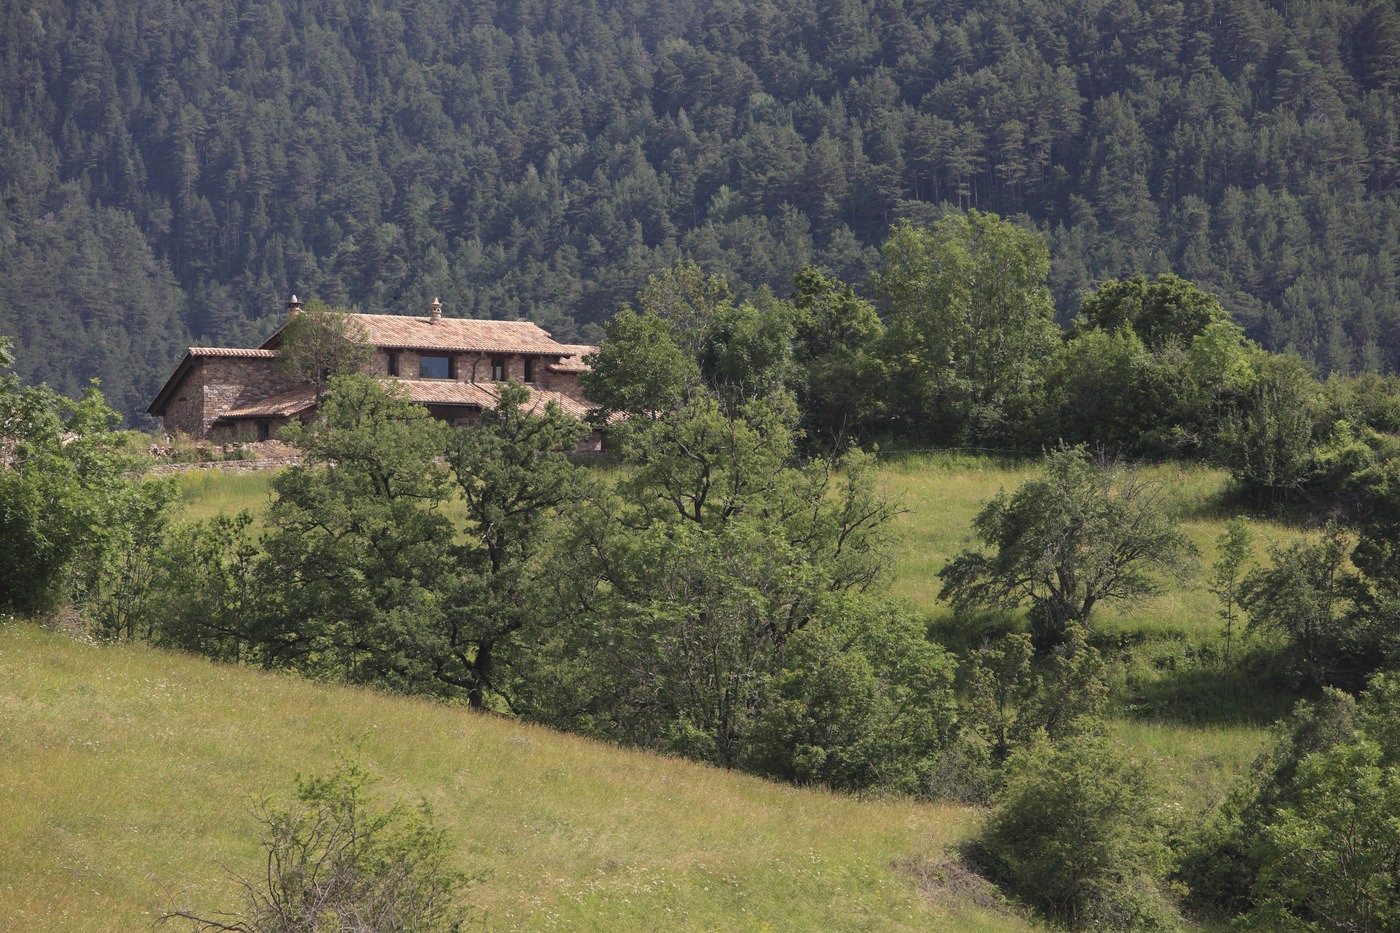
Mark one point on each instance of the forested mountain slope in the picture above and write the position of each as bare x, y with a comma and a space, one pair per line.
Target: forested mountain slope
172, 170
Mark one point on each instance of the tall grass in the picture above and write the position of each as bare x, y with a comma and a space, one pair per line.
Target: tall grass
206, 493
1174, 699
126, 776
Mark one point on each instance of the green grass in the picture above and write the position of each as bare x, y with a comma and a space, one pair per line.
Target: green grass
206, 493
1194, 765
1200, 721
126, 776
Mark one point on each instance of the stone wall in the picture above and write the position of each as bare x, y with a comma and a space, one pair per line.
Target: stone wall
566, 384
231, 382
184, 413
216, 384
226, 466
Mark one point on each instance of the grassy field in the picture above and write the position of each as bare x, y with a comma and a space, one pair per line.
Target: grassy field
1174, 703
687, 847
206, 493
1199, 722
126, 776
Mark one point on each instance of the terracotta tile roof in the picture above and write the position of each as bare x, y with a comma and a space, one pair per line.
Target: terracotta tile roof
570, 364
573, 362
232, 351
448, 392
542, 397
157, 406
464, 335
482, 395
284, 405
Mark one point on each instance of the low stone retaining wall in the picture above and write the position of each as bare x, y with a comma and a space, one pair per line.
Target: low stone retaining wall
226, 466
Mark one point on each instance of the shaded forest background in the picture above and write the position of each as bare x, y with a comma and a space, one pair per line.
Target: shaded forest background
171, 171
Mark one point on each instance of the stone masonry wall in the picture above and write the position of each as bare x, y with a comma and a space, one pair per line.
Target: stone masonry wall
232, 382
473, 367
566, 384
229, 382
185, 412
226, 466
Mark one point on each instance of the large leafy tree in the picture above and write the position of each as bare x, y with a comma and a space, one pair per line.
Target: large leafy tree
319, 343
970, 321
72, 498
1148, 369
513, 474
639, 370
1167, 310
393, 568
863, 700
835, 357
714, 552
691, 579
358, 542
1077, 535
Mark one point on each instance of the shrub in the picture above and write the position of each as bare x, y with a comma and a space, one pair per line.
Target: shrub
336, 864
71, 499
863, 701
1077, 834
1308, 841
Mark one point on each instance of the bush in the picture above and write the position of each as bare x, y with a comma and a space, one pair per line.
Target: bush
863, 701
1077, 834
71, 501
335, 863
1308, 840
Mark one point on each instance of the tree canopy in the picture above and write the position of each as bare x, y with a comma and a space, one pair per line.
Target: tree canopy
1077, 535
174, 172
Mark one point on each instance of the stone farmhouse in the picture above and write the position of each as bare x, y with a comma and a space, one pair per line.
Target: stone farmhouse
450, 365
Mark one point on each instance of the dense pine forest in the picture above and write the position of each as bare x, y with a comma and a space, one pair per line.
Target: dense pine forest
171, 171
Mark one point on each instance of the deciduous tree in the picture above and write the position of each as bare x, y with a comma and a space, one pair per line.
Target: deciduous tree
319, 343
970, 321
1077, 535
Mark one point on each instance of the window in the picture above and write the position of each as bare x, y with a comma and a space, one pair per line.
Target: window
393, 362
435, 367
498, 369
529, 369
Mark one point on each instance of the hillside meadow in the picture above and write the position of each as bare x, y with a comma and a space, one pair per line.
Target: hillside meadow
1201, 722
127, 776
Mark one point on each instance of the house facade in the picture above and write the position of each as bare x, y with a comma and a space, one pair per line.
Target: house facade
451, 365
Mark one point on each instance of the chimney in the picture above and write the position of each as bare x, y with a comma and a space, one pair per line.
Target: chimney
293, 306
435, 314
